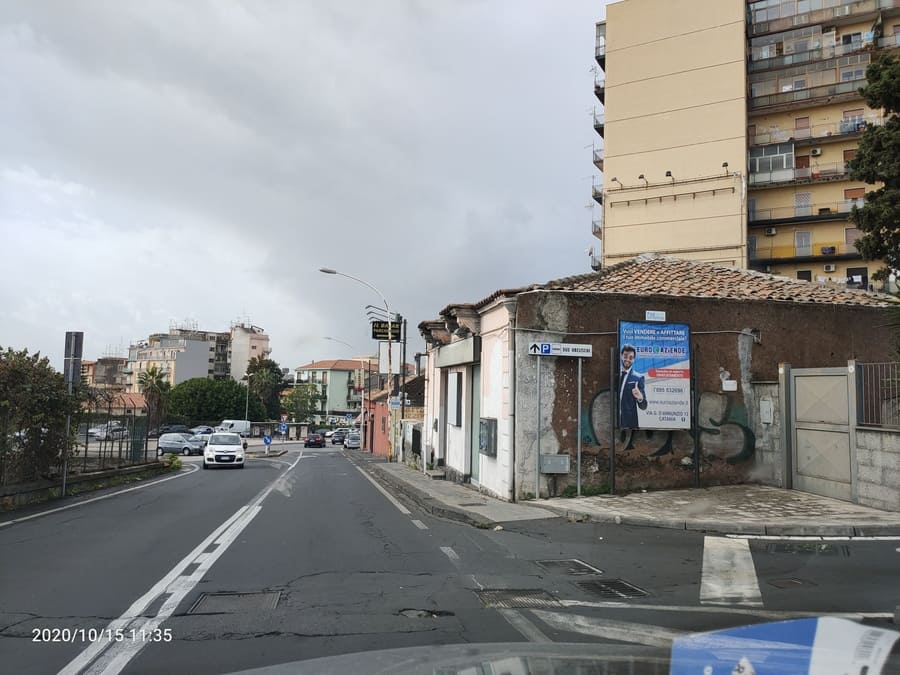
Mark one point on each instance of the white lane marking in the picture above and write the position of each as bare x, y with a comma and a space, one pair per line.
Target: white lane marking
713, 609
405, 511
729, 576
111, 657
189, 470
625, 631
814, 537
420, 524
523, 625
477, 583
450, 553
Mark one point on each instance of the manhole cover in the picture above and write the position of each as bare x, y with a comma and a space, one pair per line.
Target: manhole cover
616, 589
790, 583
516, 599
811, 548
227, 603
570, 567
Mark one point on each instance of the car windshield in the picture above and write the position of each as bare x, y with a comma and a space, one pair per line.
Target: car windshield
224, 439
606, 292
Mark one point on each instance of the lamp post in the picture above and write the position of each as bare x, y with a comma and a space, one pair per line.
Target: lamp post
365, 368
326, 270
247, 376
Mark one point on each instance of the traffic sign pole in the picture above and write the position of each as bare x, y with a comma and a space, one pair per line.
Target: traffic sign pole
537, 473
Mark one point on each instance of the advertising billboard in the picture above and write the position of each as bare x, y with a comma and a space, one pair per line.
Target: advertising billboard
654, 388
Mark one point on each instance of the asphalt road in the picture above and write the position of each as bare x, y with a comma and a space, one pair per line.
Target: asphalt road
302, 556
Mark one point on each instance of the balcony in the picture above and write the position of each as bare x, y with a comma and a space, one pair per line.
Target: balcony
798, 58
803, 214
597, 227
809, 95
599, 121
830, 11
821, 132
600, 45
598, 158
597, 193
814, 174
600, 88
889, 41
819, 252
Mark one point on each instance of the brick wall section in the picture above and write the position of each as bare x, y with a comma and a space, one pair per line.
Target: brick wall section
878, 468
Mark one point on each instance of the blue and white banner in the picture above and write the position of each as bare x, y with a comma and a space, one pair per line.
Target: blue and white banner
654, 389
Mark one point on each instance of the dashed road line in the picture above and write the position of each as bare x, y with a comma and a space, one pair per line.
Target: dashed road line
729, 575
518, 621
420, 524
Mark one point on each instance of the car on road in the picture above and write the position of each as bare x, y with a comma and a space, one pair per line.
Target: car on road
184, 444
352, 441
224, 449
338, 436
314, 440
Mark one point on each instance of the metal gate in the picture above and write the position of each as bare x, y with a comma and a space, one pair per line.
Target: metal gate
823, 431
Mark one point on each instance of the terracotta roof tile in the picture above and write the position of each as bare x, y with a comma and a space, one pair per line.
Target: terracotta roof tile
652, 274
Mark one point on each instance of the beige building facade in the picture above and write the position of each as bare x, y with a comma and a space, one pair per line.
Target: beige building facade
727, 128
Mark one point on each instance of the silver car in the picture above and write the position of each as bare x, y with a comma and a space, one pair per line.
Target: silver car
352, 440
184, 444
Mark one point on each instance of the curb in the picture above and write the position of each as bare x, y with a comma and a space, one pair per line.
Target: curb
719, 527
428, 503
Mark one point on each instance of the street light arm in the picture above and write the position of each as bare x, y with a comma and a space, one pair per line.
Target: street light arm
326, 270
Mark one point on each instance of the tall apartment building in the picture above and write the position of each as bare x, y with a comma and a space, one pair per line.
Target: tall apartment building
182, 354
726, 130
247, 342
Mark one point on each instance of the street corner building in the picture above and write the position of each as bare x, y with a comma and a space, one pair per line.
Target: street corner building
764, 371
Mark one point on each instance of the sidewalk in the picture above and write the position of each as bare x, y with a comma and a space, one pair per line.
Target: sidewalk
733, 509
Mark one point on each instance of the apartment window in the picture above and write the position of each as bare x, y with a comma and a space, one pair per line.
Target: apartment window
751, 247
751, 133
804, 275
802, 243
853, 73
858, 277
772, 158
848, 155
854, 197
253, 348
801, 127
852, 39
851, 234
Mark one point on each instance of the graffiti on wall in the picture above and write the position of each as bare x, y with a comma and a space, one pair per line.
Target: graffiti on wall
724, 430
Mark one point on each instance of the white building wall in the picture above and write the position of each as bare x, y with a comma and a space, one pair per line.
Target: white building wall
457, 436
495, 472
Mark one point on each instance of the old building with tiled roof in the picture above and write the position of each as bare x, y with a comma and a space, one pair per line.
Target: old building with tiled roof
486, 417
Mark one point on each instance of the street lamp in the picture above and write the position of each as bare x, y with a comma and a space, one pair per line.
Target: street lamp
365, 369
326, 270
247, 376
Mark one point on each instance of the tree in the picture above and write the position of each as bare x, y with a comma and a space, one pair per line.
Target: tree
878, 161
266, 383
34, 404
303, 402
156, 388
203, 400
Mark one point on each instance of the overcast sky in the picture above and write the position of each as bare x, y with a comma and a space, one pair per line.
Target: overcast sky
199, 161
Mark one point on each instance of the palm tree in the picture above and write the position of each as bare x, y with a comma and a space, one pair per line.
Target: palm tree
154, 386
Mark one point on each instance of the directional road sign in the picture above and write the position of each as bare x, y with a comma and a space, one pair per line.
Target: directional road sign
560, 349
267, 439
282, 427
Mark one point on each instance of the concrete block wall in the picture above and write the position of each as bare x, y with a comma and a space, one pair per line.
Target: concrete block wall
878, 468
769, 456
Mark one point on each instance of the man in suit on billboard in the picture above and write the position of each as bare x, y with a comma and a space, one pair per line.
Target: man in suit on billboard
631, 390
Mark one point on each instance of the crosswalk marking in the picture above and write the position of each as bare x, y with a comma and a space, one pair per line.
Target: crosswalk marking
729, 575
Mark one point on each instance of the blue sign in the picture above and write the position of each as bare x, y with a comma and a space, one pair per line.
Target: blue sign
654, 389
282, 427
267, 439
348, 416
545, 348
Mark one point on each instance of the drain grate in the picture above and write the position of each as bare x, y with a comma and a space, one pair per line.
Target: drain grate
516, 599
616, 589
570, 567
790, 583
228, 603
811, 548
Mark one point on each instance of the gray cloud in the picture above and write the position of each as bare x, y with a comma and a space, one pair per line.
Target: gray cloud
170, 160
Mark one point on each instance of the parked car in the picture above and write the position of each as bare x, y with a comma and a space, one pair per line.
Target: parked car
338, 436
352, 441
241, 427
314, 440
326, 433
202, 438
184, 444
169, 429
108, 431
202, 429
224, 449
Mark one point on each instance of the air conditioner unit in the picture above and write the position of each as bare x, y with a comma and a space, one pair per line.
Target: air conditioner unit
829, 268
815, 152
771, 231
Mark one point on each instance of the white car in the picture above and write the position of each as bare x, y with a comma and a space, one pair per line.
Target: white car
224, 449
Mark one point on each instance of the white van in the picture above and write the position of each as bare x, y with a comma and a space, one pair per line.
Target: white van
241, 427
